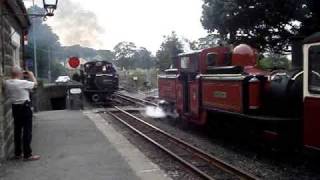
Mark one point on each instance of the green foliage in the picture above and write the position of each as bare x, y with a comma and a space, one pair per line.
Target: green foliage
211, 40
169, 49
124, 53
128, 56
265, 63
144, 59
143, 75
274, 62
47, 41
265, 25
79, 51
106, 54
57, 69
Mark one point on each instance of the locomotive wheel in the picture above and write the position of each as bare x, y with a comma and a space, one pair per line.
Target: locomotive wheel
95, 98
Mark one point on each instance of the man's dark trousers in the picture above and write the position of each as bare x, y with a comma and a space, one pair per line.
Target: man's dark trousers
22, 115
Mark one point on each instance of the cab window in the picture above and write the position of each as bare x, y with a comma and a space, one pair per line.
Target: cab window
212, 59
314, 69
185, 62
189, 63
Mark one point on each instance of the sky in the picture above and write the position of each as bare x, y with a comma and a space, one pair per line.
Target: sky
101, 24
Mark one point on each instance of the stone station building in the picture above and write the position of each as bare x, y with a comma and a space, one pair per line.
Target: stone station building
14, 24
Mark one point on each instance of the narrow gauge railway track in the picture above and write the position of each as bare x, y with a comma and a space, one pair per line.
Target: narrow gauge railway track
203, 164
135, 100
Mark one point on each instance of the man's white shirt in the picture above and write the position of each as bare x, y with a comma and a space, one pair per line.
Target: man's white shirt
18, 91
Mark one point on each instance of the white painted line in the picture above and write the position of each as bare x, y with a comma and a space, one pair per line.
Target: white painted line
139, 163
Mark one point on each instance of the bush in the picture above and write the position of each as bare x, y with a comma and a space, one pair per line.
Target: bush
271, 62
146, 79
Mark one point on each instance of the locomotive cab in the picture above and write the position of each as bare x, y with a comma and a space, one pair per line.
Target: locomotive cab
189, 68
192, 65
311, 91
181, 87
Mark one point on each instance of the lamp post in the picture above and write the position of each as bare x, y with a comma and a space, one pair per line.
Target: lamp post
50, 6
34, 44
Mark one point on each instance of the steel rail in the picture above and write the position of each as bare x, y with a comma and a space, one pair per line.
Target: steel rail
211, 160
136, 100
195, 169
129, 99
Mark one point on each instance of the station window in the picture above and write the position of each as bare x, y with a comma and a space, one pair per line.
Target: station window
15, 45
314, 69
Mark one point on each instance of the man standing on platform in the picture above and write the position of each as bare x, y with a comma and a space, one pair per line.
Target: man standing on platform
18, 92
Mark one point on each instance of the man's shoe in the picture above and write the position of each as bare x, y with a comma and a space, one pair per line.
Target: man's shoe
32, 158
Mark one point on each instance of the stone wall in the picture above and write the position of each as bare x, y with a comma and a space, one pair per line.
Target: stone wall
9, 26
48, 97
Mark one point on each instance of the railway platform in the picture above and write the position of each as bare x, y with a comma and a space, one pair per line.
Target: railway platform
78, 145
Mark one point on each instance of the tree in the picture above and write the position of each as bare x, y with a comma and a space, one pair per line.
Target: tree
128, 56
169, 49
124, 52
274, 61
79, 51
143, 59
46, 40
57, 70
211, 40
106, 55
265, 25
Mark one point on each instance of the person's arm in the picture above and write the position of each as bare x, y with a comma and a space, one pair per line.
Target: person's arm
33, 78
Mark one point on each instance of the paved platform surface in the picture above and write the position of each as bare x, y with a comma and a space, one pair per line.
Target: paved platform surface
74, 147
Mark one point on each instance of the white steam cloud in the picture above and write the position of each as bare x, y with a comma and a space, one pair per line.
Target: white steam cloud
75, 25
155, 112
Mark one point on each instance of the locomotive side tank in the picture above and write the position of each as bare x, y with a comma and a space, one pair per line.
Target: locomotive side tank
253, 91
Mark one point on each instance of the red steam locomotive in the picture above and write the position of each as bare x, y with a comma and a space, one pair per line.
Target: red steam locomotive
227, 81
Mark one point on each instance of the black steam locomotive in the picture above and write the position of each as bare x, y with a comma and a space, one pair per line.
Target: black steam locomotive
100, 80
